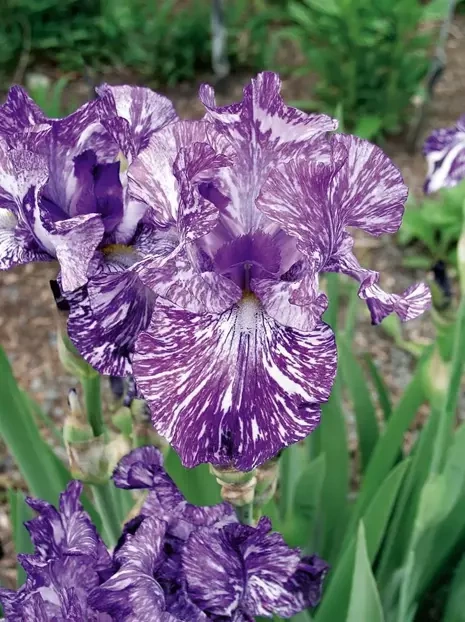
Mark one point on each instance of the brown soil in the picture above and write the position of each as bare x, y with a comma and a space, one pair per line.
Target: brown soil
27, 309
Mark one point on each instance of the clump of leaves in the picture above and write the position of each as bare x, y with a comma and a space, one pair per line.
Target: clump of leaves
435, 225
371, 55
165, 41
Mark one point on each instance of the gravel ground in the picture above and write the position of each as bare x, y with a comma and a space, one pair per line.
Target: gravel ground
27, 310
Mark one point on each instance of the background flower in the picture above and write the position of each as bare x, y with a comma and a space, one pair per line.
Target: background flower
445, 154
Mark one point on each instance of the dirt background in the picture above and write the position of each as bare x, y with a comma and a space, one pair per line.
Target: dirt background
27, 308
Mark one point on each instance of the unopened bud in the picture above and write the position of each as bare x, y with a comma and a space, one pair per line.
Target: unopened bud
237, 488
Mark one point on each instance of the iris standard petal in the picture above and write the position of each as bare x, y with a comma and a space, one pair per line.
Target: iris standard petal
263, 131
232, 389
143, 111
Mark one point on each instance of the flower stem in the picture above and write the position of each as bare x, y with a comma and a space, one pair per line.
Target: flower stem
104, 503
92, 400
244, 514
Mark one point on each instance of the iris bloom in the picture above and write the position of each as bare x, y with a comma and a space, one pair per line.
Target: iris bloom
245, 571
445, 154
236, 361
154, 572
70, 560
63, 193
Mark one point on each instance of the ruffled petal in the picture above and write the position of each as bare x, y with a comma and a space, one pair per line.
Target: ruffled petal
178, 281
368, 191
19, 112
304, 588
297, 196
263, 131
106, 317
216, 585
144, 111
17, 245
297, 304
409, 305
151, 176
143, 550
315, 201
239, 384
445, 154
75, 241
129, 596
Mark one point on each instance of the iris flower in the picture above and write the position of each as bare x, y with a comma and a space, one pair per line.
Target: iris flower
154, 571
63, 193
445, 154
236, 361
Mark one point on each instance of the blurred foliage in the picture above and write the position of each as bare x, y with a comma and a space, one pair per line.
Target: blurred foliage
165, 41
369, 55
435, 224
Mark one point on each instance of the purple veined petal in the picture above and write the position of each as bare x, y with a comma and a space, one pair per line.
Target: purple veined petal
268, 563
196, 214
304, 588
143, 551
144, 111
315, 201
106, 317
17, 245
297, 196
368, 191
149, 457
151, 177
216, 585
203, 376
129, 596
244, 569
182, 608
296, 304
445, 155
264, 131
178, 281
75, 241
408, 305
8, 183
19, 112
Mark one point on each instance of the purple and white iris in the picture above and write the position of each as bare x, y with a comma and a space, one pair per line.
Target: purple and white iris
155, 571
63, 193
236, 361
196, 265
445, 154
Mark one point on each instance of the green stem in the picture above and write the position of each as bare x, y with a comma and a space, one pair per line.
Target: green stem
93, 402
104, 503
244, 514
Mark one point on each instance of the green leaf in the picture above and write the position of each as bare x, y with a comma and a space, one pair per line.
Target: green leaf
365, 413
291, 465
330, 7
376, 518
382, 390
197, 484
364, 603
20, 512
417, 262
34, 458
455, 611
390, 443
368, 127
301, 521
334, 498
399, 536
